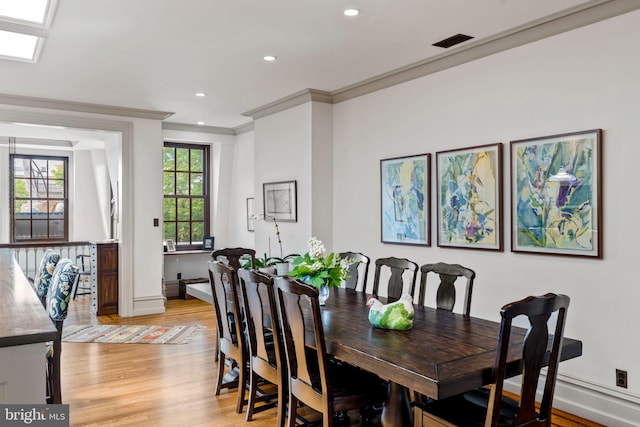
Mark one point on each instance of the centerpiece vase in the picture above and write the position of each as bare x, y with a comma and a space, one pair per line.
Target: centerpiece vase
323, 294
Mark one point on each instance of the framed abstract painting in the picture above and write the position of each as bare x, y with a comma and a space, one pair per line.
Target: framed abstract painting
469, 192
405, 200
556, 201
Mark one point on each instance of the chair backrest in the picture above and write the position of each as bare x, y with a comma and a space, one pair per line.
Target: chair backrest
304, 344
234, 255
534, 354
353, 281
226, 304
42, 281
59, 293
263, 325
395, 287
446, 291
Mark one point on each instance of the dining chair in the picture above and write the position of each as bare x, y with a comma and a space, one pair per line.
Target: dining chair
395, 287
446, 290
42, 281
57, 304
266, 353
230, 343
325, 385
488, 406
234, 256
361, 262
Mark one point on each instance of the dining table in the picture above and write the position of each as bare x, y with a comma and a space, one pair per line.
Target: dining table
442, 355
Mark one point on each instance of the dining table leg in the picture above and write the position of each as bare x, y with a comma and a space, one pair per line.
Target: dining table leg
397, 408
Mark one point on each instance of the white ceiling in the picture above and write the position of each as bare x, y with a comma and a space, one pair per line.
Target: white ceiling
156, 54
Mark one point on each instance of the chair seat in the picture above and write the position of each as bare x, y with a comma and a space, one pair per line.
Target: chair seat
470, 409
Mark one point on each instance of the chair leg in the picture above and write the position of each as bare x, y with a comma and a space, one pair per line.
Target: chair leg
292, 411
253, 391
221, 358
54, 376
242, 386
282, 405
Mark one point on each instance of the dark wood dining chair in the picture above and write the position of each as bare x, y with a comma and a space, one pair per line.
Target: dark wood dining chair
446, 290
266, 353
325, 386
488, 406
395, 287
231, 343
361, 264
57, 305
234, 256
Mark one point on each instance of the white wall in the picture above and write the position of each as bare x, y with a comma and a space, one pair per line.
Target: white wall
242, 187
283, 153
584, 79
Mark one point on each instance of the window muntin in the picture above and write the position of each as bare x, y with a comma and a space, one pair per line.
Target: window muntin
186, 197
39, 198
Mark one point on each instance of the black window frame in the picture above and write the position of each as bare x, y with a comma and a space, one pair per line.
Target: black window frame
206, 183
31, 198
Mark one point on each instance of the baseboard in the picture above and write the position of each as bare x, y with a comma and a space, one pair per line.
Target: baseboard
148, 305
594, 402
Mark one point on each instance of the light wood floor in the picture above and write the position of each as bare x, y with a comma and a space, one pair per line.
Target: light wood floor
158, 385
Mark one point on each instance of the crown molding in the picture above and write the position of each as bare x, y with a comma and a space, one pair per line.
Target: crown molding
247, 127
298, 98
570, 19
81, 107
185, 127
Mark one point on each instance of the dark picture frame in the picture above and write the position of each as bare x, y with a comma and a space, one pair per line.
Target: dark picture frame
470, 197
556, 200
405, 200
207, 243
280, 201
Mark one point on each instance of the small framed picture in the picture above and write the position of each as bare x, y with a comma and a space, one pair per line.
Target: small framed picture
207, 243
280, 201
171, 245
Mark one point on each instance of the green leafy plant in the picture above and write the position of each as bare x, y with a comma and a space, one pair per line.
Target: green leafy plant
318, 269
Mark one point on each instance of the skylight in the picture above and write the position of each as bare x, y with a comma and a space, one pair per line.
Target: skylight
24, 27
17, 45
34, 11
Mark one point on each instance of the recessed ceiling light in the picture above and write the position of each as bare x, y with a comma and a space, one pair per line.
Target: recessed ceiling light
200, 94
18, 46
269, 58
200, 123
351, 12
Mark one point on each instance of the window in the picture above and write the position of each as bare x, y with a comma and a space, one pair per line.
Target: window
39, 201
186, 194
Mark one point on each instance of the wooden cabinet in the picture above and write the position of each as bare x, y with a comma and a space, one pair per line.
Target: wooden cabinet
104, 277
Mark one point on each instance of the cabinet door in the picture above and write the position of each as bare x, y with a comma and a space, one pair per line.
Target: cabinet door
106, 278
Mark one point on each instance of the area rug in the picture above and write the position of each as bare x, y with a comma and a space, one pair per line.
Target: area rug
130, 334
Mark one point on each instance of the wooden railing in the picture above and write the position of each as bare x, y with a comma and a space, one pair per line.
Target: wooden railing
28, 255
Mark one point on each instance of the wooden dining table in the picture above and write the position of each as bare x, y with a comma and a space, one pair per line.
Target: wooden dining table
444, 354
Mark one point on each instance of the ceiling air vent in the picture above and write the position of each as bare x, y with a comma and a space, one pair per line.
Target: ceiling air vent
453, 40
